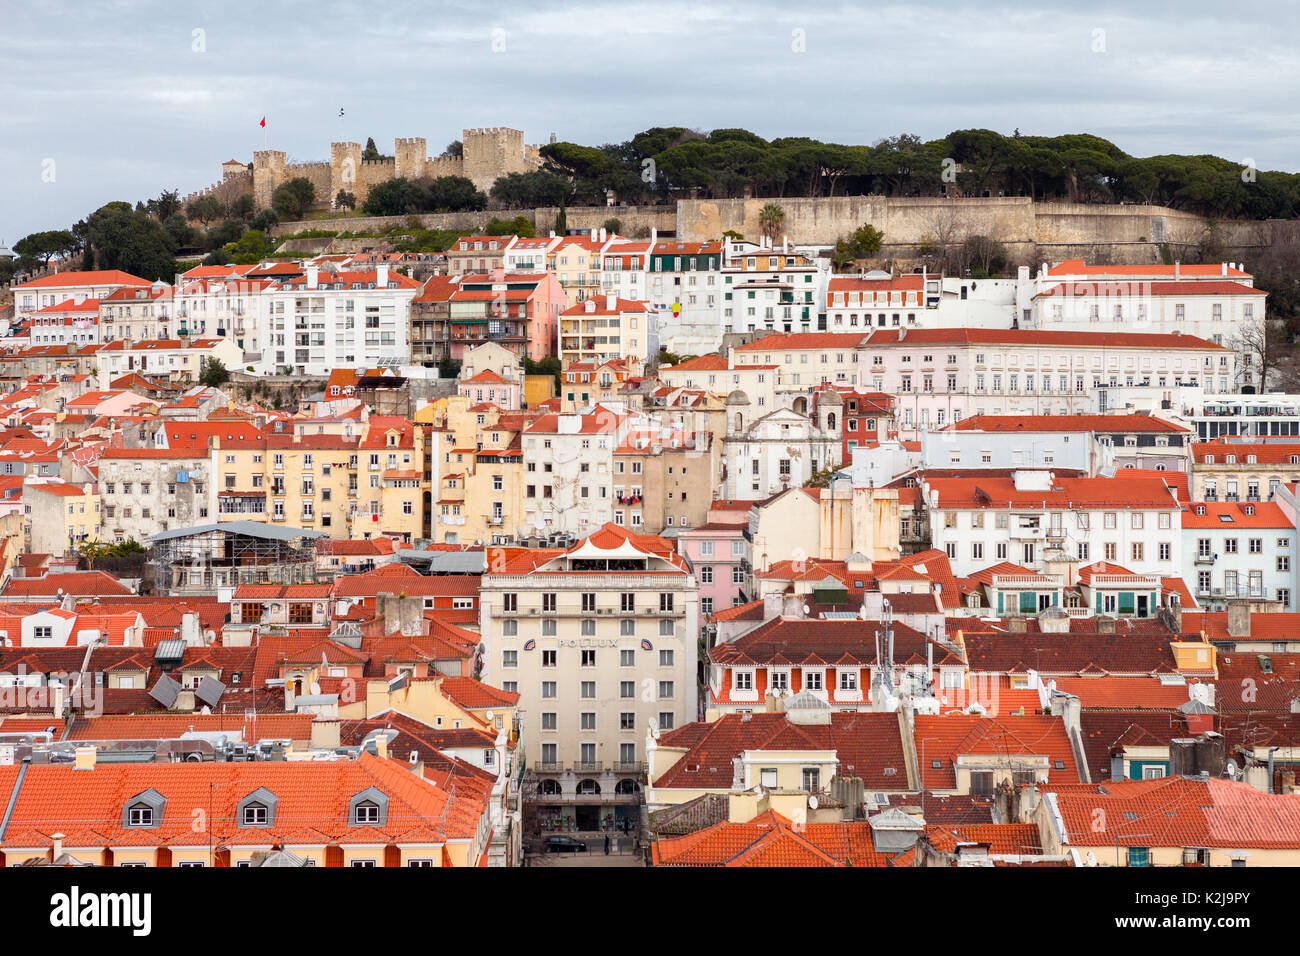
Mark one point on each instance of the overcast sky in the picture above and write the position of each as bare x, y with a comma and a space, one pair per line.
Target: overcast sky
119, 100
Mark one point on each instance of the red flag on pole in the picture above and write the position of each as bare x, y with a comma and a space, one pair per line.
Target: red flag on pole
263, 123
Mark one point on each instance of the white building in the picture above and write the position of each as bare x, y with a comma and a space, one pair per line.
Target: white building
1215, 302
1048, 523
1239, 550
780, 450
326, 320
569, 470
772, 288
600, 641
30, 297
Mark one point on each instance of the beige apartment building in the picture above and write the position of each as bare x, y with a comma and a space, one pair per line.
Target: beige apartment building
663, 481
600, 642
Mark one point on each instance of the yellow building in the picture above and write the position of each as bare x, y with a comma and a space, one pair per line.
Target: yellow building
60, 516
390, 493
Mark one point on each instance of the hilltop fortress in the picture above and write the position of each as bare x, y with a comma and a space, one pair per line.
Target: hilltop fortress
486, 155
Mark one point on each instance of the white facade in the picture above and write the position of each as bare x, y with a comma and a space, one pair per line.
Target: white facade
330, 320
569, 470
777, 451
1046, 520
1239, 550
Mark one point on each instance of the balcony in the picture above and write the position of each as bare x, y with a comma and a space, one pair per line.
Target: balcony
1206, 558
588, 766
635, 766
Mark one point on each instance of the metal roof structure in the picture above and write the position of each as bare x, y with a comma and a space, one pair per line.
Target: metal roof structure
251, 529
445, 562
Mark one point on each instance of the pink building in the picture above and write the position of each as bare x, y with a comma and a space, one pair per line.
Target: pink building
719, 553
519, 311
488, 386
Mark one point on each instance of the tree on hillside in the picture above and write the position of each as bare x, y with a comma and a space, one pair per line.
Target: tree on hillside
264, 220
214, 373
241, 207
292, 199
371, 151
225, 232
46, 245
205, 209
345, 200
455, 149
452, 194
133, 242
526, 190
166, 205
180, 230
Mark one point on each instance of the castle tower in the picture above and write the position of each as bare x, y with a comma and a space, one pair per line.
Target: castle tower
493, 153
345, 169
268, 173
411, 155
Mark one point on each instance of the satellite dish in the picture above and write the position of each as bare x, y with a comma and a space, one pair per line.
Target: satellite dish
488, 715
315, 687
806, 609
1230, 768
812, 801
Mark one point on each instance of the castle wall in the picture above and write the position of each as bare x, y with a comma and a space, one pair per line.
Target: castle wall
634, 220
1049, 230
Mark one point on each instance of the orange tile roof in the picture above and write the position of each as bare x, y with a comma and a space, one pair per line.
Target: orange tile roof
950, 736
1177, 812
61, 280
771, 840
1070, 423
313, 798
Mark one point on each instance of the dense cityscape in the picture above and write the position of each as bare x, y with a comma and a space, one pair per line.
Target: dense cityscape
696, 500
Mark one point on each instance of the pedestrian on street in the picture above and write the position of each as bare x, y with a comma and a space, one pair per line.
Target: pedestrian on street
607, 845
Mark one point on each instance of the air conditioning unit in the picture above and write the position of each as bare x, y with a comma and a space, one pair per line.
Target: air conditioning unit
532, 610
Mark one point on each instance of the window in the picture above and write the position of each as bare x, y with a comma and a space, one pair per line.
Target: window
366, 813
141, 816
626, 689
666, 690
548, 658
587, 690
1140, 855
548, 689
255, 815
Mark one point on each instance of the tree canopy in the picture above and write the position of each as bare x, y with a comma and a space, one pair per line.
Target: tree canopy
661, 163
293, 198
398, 197
132, 241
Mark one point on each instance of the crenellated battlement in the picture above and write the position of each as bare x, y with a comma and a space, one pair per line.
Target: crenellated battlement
488, 153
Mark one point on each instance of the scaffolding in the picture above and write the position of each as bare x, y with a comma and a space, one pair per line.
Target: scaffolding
204, 558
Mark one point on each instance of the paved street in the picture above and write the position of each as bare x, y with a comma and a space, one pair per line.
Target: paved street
585, 859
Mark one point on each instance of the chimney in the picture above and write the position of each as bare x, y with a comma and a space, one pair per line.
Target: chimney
1017, 625
1104, 624
289, 696
611, 303
313, 275
84, 758
1224, 271
381, 746
654, 235
381, 277
1239, 619
1178, 269
56, 850
602, 233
